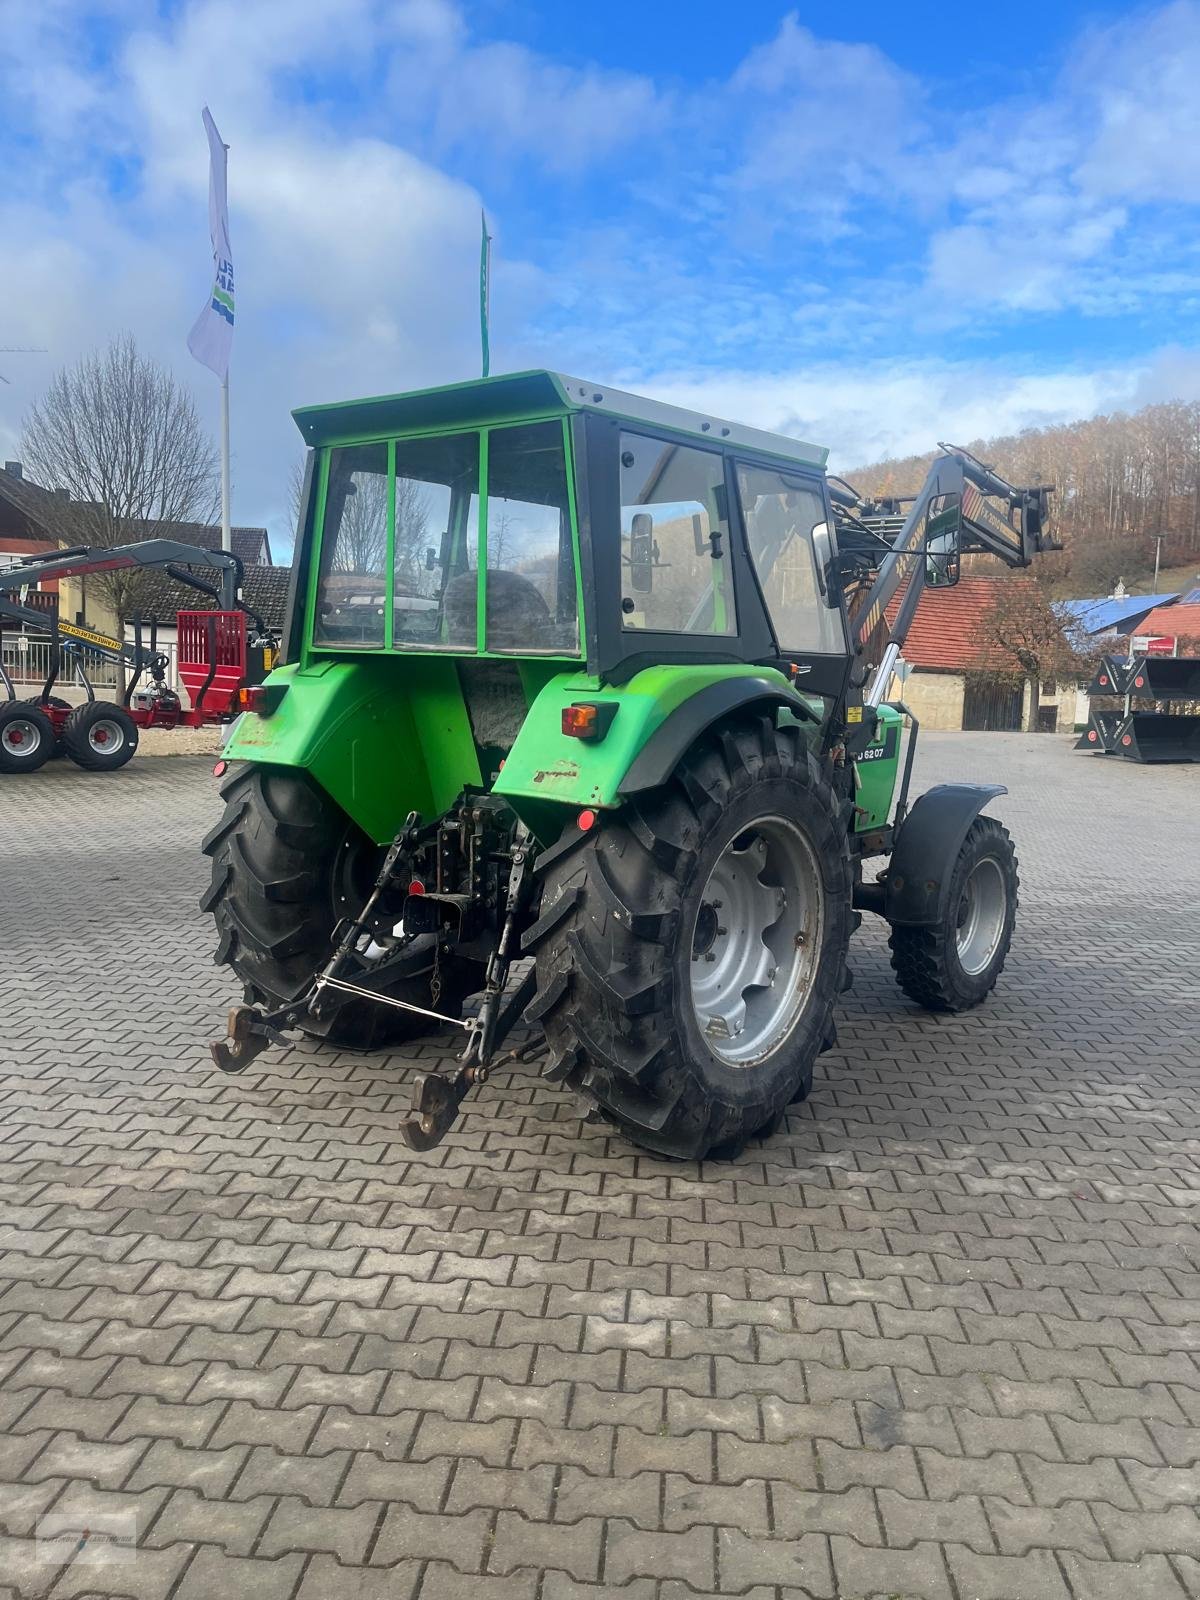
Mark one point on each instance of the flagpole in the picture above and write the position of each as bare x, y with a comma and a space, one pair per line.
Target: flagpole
485, 294
226, 536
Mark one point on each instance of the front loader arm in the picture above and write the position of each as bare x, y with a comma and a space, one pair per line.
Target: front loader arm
993, 517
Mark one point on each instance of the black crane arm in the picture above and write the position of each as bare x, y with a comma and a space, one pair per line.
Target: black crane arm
170, 553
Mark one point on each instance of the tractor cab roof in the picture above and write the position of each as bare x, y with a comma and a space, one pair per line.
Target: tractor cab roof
519, 395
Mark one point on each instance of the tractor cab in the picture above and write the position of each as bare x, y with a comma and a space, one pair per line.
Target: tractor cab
540, 516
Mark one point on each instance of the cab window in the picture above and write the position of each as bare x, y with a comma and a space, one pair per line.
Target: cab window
785, 518
437, 542
531, 595
675, 570
351, 582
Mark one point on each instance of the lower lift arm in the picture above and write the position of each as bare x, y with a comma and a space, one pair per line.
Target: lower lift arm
436, 1100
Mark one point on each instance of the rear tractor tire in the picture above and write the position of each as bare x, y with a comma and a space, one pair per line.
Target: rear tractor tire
100, 736
26, 737
287, 865
691, 949
954, 964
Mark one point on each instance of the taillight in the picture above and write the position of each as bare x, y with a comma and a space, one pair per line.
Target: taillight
261, 698
588, 719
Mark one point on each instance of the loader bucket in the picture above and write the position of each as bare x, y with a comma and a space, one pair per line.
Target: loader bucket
1153, 736
1100, 734
1165, 678
1110, 676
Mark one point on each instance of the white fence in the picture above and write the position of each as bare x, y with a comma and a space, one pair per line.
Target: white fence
27, 662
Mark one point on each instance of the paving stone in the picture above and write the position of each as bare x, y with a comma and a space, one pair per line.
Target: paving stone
189, 1518
430, 1536
921, 1570
939, 1329
212, 1572
342, 1531
1035, 1576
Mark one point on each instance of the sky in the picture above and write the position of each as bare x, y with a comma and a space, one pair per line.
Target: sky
869, 226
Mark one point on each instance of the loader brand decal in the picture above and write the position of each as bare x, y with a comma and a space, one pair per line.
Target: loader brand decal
977, 508
89, 636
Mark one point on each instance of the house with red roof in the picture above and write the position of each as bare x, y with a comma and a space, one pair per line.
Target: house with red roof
960, 677
1170, 630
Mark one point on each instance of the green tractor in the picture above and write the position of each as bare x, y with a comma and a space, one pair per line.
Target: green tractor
575, 676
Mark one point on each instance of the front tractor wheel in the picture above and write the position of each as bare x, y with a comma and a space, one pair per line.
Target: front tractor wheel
954, 964
691, 950
287, 866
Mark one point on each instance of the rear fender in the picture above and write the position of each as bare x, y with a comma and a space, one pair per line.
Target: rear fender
658, 715
922, 863
382, 737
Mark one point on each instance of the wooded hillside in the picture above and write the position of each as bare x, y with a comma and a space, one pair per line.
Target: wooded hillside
1118, 480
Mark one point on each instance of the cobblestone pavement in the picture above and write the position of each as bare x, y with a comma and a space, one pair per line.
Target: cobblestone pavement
938, 1338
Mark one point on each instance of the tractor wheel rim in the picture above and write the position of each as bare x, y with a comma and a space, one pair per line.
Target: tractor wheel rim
756, 941
106, 737
21, 738
982, 911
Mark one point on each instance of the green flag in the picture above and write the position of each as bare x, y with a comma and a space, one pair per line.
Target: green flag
485, 291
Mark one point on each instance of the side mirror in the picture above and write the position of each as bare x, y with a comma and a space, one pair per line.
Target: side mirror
943, 541
822, 543
641, 552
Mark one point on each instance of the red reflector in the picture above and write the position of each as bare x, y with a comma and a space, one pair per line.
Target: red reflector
1140, 682
1092, 736
220, 769
1103, 679
1128, 739
587, 821
580, 722
416, 887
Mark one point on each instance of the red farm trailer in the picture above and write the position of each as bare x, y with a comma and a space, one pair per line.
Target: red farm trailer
222, 654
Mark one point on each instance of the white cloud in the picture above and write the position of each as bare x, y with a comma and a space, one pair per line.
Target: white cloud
893, 408
1140, 77
751, 244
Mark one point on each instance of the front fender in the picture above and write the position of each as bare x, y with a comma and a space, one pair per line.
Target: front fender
922, 863
659, 714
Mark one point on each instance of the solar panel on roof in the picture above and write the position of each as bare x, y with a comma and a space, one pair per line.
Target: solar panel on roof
1192, 598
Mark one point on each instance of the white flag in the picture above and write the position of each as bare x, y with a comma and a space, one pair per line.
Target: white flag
211, 338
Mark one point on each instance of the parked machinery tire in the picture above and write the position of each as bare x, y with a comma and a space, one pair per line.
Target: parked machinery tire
287, 865
954, 964
56, 703
100, 736
26, 737
690, 949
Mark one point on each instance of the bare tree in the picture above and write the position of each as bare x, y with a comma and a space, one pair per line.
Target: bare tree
296, 494
1030, 639
1120, 482
124, 440
413, 511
